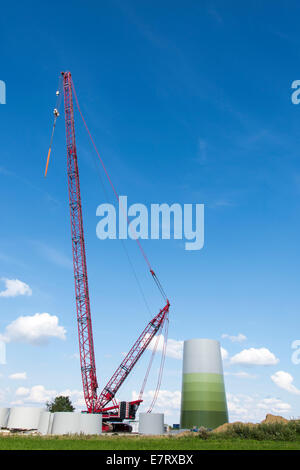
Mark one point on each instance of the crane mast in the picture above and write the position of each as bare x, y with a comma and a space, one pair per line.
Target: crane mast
84, 322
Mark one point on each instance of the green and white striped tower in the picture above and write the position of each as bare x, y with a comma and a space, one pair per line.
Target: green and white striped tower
203, 398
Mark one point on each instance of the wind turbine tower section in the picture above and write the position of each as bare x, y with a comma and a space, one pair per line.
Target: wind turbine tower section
203, 398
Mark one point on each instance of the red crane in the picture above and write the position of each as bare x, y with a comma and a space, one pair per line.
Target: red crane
95, 403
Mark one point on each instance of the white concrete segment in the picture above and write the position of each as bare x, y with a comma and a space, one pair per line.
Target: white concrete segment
24, 417
76, 423
4, 414
44, 422
151, 423
65, 423
90, 423
202, 356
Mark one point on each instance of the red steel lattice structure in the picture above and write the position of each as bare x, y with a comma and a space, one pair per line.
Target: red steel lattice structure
85, 334
111, 388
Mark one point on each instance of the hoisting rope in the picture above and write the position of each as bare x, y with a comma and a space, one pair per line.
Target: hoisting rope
107, 199
150, 362
162, 363
160, 287
165, 325
155, 278
56, 114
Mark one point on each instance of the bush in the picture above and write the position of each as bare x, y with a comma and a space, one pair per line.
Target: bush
60, 403
295, 426
261, 432
203, 433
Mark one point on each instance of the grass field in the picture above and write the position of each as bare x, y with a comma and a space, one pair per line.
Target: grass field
141, 443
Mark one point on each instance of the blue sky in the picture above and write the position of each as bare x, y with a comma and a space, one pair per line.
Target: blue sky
189, 104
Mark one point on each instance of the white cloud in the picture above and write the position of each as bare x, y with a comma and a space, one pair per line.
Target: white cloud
167, 402
3, 394
22, 391
247, 408
76, 396
235, 339
274, 405
241, 374
224, 354
253, 356
18, 376
36, 329
238, 410
15, 287
35, 394
39, 394
285, 380
174, 348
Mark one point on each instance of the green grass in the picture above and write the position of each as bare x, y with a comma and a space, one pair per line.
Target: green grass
272, 436
142, 443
